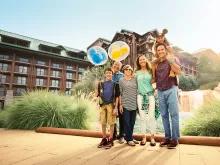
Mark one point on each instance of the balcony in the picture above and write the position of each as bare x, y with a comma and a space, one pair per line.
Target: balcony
5, 80
5, 69
21, 71
5, 57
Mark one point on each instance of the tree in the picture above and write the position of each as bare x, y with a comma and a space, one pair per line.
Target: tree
188, 83
90, 78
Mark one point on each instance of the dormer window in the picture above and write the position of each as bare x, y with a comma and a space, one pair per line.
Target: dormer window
15, 41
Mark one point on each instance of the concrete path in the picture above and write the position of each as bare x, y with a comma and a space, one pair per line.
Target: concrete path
27, 147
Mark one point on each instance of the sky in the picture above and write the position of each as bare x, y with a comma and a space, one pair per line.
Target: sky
192, 24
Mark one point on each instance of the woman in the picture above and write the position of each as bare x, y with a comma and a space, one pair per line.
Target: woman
128, 102
145, 98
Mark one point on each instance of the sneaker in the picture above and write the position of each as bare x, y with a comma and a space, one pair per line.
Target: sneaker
109, 144
135, 141
173, 144
152, 142
164, 142
121, 140
103, 142
131, 143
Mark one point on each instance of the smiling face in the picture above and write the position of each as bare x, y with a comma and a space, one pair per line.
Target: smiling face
160, 39
116, 66
142, 60
128, 71
108, 75
161, 51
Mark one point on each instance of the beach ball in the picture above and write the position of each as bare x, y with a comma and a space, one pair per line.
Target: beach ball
118, 51
97, 55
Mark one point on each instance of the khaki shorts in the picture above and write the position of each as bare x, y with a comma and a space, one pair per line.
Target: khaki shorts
106, 114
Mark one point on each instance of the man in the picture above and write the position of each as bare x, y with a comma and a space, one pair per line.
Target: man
167, 92
117, 75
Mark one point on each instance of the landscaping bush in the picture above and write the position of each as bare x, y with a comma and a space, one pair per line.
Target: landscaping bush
46, 109
188, 83
3, 118
210, 85
206, 122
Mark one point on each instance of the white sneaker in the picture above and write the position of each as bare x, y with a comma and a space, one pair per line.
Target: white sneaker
121, 140
131, 143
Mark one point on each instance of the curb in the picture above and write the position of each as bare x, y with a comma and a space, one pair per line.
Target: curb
193, 140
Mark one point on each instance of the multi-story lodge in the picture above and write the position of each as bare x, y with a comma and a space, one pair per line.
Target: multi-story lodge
27, 64
142, 44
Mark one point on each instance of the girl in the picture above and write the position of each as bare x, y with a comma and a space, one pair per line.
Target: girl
145, 98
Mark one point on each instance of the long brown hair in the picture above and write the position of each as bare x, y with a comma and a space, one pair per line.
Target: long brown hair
148, 64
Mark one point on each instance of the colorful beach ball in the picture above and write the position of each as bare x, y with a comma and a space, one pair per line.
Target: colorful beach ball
97, 55
118, 51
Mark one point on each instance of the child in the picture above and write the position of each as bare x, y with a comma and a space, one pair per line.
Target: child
108, 93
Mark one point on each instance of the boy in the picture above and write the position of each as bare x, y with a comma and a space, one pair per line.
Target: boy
108, 93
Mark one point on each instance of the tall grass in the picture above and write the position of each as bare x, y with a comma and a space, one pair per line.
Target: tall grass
3, 118
46, 109
206, 122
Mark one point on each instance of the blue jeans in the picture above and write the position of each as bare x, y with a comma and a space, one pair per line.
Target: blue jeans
169, 109
129, 121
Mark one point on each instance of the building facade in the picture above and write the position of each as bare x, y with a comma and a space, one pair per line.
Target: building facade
28, 64
143, 44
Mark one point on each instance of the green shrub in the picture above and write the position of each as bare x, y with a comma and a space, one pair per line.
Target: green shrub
209, 85
188, 83
3, 118
206, 122
46, 109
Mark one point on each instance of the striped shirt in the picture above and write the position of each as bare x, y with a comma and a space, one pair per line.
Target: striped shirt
128, 90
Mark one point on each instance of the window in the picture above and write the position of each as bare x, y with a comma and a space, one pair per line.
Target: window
81, 69
22, 69
19, 91
55, 65
21, 80
3, 67
54, 91
55, 83
76, 55
41, 62
15, 41
4, 57
40, 71
2, 91
3, 79
80, 76
68, 67
39, 82
49, 49
68, 92
69, 75
55, 73
21, 59
69, 84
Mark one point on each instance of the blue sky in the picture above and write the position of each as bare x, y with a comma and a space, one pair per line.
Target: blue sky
192, 24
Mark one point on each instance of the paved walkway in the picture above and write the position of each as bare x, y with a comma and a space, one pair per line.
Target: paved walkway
27, 147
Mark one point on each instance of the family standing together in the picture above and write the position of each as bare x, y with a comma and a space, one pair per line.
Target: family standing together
131, 93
